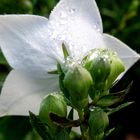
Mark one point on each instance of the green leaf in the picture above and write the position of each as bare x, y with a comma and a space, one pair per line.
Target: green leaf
125, 91
119, 108
53, 72
65, 51
114, 98
2, 59
108, 101
40, 127
4, 69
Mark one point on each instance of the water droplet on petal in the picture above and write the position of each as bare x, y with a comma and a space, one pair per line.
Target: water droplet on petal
96, 28
63, 22
53, 35
63, 18
72, 11
63, 15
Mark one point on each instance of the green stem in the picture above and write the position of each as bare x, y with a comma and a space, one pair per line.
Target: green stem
83, 127
81, 114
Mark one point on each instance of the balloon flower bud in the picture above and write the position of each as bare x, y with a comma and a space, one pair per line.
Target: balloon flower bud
117, 67
104, 67
97, 63
98, 121
78, 81
52, 103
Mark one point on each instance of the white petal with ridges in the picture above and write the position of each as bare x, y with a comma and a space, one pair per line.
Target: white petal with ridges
78, 23
25, 43
22, 93
128, 56
85, 9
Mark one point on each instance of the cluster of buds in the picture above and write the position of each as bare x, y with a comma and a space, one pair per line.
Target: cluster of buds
104, 66
85, 87
93, 77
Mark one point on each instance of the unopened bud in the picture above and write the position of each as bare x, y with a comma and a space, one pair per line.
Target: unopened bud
104, 66
117, 67
52, 103
98, 64
98, 121
78, 81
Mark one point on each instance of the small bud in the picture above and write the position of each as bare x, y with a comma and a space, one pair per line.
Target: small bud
97, 63
52, 103
98, 121
117, 67
104, 66
78, 81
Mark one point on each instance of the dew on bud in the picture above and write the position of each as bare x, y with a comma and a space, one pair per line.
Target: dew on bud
98, 64
104, 66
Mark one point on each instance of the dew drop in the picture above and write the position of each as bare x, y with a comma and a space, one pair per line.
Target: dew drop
63, 18
96, 28
63, 15
92, 108
53, 35
72, 11
62, 22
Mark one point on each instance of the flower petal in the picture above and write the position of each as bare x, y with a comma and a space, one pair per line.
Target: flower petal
25, 44
21, 93
78, 23
87, 10
128, 56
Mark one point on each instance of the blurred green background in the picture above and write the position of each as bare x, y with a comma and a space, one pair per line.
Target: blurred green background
121, 19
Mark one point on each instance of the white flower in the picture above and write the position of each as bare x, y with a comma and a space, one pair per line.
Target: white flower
32, 46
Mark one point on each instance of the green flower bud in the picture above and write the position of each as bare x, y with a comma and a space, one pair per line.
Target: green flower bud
117, 67
104, 66
98, 64
98, 121
78, 81
52, 103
